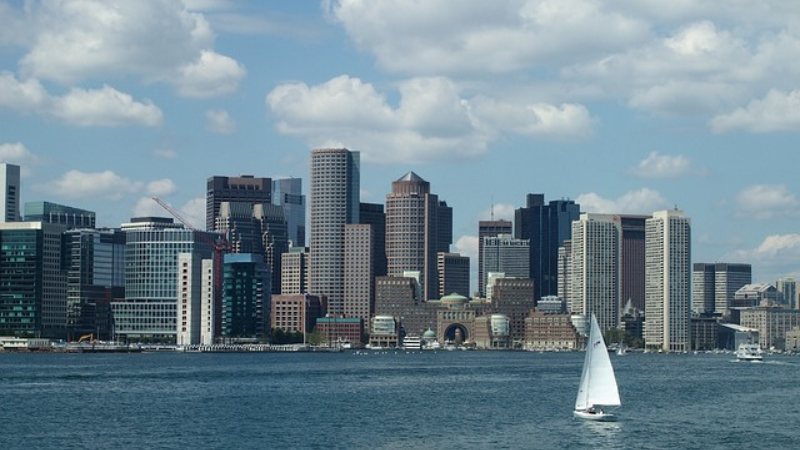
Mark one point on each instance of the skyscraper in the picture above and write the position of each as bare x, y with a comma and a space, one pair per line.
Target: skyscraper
334, 203
246, 189
359, 271
595, 268
667, 281
49, 212
489, 228
418, 226
632, 260
507, 254
453, 274
546, 227
288, 193
715, 284
9, 193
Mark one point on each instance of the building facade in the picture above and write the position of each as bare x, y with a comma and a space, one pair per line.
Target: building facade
288, 194
9, 193
244, 189
667, 282
453, 269
486, 229
506, 254
59, 214
295, 271
715, 284
359, 275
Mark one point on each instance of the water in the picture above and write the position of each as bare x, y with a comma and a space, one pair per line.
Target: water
392, 400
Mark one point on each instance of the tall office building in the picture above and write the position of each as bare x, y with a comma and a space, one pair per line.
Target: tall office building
595, 283
9, 193
372, 214
334, 203
787, 287
33, 297
667, 282
359, 271
246, 307
453, 271
632, 260
565, 273
245, 189
507, 254
489, 228
150, 307
715, 284
288, 193
59, 214
196, 312
418, 226
546, 227
294, 271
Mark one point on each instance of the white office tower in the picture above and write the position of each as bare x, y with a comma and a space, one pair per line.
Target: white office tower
594, 287
668, 273
9, 200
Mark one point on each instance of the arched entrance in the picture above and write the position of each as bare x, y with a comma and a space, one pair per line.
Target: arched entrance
456, 333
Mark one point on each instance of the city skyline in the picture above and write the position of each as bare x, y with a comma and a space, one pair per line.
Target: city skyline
688, 105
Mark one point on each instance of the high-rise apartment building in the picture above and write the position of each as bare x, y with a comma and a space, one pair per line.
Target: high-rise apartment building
334, 203
245, 309
453, 271
596, 253
507, 254
667, 282
196, 311
244, 189
418, 226
715, 284
546, 227
68, 216
149, 309
9, 193
489, 228
33, 297
295, 271
288, 193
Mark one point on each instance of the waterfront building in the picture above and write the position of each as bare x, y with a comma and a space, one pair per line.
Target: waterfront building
246, 295
294, 271
149, 309
551, 304
33, 291
288, 194
334, 203
296, 313
545, 331
705, 333
9, 193
95, 268
756, 294
772, 324
418, 226
398, 297
667, 281
359, 272
453, 272
244, 189
507, 254
787, 289
595, 268
565, 273
196, 313
486, 229
339, 330
68, 216
490, 281
715, 284
546, 227
514, 297
384, 332
492, 331
632, 261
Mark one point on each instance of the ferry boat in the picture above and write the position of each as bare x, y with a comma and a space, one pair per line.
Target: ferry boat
749, 352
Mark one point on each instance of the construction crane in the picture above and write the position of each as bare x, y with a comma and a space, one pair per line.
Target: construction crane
220, 247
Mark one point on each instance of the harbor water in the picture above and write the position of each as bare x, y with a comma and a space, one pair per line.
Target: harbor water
390, 400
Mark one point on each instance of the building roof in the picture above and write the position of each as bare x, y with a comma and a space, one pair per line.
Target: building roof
411, 176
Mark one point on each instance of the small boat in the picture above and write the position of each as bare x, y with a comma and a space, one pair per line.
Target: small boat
749, 352
598, 388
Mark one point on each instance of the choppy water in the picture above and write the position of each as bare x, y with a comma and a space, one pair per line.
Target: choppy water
389, 400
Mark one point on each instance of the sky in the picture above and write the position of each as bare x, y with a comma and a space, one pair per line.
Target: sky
626, 106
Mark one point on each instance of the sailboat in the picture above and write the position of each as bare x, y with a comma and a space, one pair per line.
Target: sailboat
598, 386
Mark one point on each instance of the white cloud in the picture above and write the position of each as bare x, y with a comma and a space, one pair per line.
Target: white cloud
642, 201
431, 122
500, 211
81, 107
218, 121
160, 41
77, 184
194, 211
767, 201
657, 165
467, 246
778, 111
161, 188
165, 153
147, 207
18, 154
776, 256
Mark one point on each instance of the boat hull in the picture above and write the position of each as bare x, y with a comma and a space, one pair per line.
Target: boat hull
596, 416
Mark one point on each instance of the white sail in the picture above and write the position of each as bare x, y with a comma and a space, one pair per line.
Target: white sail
598, 383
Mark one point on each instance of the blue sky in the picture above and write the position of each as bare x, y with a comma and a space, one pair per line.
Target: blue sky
626, 107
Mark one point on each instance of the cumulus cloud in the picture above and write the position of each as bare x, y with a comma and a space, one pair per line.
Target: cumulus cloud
657, 165
147, 207
70, 42
500, 211
165, 153
77, 184
467, 246
161, 188
642, 201
106, 107
767, 201
431, 122
776, 256
194, 211
17, 153
778, 111
220, 122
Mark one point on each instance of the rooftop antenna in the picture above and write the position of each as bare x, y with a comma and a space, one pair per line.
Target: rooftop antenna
492, 209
